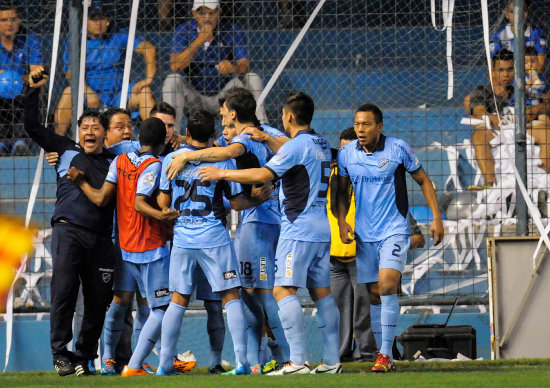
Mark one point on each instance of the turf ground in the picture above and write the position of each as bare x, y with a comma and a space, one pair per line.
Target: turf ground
506, 373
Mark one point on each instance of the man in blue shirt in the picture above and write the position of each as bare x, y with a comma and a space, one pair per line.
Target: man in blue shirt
376, 165
207, 59
303, 250
534, 37
19, 54
201, 237
105, 55
259, 229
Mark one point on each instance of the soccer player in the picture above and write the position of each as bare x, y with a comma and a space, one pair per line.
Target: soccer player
303, 165
376, 165
81, 244
259, 229
134, 179
201, 237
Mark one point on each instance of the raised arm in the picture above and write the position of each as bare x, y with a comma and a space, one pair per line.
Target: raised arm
274, 143
181, 60
99, 197
436, 228
212, 154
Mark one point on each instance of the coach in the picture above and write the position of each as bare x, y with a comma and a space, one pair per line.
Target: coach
81, 245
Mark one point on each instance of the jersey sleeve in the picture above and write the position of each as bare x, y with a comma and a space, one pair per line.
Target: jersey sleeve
242, 140
343, 162
231, 189
221, 141
164, 184
406, 155
273, 132
112, 176
149, 179
284, 160
125, 147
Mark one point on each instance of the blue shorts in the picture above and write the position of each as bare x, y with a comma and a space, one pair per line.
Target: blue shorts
388, 253
203, 289
153, 279
219, 264
302, 264
124, 278
255, 246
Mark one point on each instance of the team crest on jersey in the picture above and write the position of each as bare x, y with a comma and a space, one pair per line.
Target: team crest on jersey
162, 292
149, 179
383, 163
288, 265
263, 268
230, 275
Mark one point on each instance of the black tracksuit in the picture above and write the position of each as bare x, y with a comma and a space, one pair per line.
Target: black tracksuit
81, 245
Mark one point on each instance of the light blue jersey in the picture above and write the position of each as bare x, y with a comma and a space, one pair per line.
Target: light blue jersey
303, 165
378, 179
201, 223
125, 147
256, 155
148, 183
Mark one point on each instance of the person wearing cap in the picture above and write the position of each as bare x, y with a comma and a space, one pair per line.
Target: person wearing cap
208, 57
105, 56
19, 54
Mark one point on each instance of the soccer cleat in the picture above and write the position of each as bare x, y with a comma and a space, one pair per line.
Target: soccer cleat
129, 372
240, 369
83, 370
63, 368
163, 372
148, 368
383, 364
256, 369
108, 367
216, 370
328, 369
271, 366
291, 369
184, 366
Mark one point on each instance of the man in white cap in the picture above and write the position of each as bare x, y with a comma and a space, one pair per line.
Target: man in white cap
208, 57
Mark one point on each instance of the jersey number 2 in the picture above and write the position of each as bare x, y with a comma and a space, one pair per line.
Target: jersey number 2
191, 193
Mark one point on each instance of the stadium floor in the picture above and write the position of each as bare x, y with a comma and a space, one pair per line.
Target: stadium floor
501, 373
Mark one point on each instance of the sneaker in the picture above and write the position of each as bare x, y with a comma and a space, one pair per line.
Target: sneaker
20, 148
240, 369
91, 366
184, 366
163, 372
328, 369
83, 370
216, 370
292, 369
383, 364
148, 368
256, 369
129, 372
63, 368
108, 367
271, 366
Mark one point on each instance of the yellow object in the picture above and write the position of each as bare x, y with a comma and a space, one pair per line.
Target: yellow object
345, 252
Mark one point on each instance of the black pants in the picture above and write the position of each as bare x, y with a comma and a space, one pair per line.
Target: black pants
79, 256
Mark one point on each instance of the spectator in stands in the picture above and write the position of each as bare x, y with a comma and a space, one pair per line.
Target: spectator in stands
105, 54
535, 84
19, 54
534, 37
207, 59
481, 102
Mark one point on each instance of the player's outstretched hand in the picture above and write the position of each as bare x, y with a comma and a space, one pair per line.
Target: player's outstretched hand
75, 175
52, 158
346, 233
176, 165
37, 78
437, 231
256, 134
169, 214
210, 174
